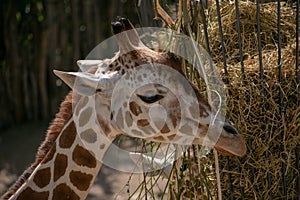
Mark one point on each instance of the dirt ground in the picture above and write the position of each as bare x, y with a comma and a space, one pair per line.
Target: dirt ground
17, 150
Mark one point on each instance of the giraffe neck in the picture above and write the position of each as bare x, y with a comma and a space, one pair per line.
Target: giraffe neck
64, 167
67, 171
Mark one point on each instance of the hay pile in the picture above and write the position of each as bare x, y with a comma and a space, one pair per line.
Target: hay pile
272, 136
272, 132
248, 24
254, 105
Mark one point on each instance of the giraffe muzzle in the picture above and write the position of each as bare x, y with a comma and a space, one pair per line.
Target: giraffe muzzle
230, 142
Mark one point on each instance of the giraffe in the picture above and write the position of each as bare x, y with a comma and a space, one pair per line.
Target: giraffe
69, 159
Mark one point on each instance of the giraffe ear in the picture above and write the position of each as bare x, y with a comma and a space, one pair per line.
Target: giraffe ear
86, 65
82, 82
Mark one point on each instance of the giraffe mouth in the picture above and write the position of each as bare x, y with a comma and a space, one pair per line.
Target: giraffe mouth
231, 147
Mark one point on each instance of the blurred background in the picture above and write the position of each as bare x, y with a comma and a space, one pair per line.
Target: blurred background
38, 36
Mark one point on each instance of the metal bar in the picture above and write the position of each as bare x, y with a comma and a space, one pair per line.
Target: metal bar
279, 55
298, 169
212, 76
222, 42
297, 50
227, 82
281, 109
261, 69
262, 78
237, 14
269, 179
297, 88
205, 28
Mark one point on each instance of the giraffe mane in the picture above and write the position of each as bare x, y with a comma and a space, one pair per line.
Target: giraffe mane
61, 118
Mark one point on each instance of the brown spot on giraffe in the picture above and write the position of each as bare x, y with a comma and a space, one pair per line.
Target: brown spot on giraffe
85, 116
102, 146
135, 108
128, 118
29, 193
89, 136
103, 124
159, 138
42, 177
81, 180
83, 157
118, 68
60, 166
174, 120
81, 104
68, 136
197, 141
165, 129
63, 191
186, 129
171, 137
143, 122
120, 120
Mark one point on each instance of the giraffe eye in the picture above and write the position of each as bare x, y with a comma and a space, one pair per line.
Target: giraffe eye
150, 99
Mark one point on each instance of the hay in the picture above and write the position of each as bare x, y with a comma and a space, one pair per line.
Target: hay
248, 24
253, 105
271, 134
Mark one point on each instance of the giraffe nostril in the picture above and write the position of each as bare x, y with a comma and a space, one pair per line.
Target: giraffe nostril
230, 129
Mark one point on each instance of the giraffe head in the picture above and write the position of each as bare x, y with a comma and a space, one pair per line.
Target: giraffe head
149, 97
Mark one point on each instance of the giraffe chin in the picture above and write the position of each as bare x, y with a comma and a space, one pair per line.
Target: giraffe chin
230, 147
